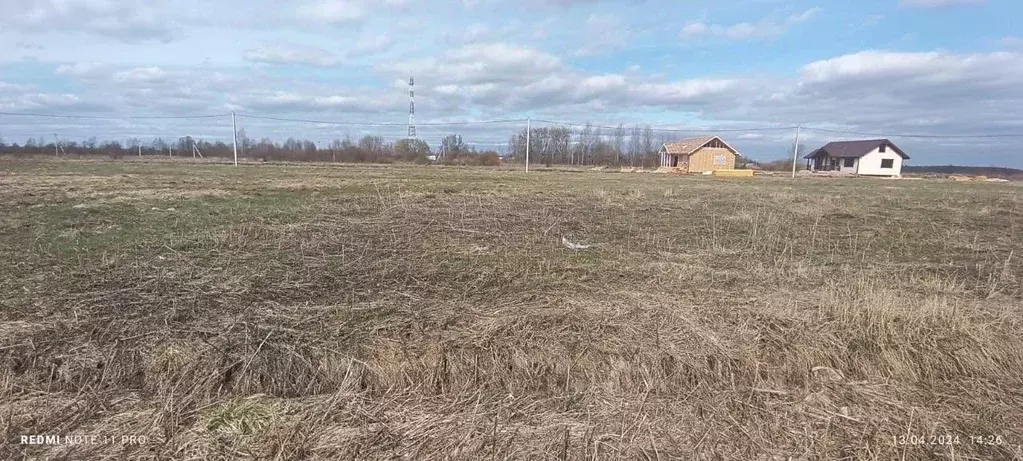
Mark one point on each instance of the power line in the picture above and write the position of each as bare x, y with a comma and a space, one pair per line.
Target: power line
516, 120
328, 122
922, 136
671, 130
115, 117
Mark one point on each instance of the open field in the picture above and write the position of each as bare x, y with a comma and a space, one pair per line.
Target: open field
360, 312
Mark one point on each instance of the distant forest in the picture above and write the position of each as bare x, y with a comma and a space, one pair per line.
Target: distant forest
623, 146
368, 149
990, 171
635, 146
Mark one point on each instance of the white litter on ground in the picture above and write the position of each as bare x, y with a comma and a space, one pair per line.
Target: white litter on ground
573, 246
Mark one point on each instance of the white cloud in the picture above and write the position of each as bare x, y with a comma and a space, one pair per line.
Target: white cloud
491, 60
480, 63
372, 44
904, 91
332, 11
747, 30
82, 69
34, 101
479, 32
342, 11
804, 16
13, 87
124, 21
919, 67
1011, 41
346, 101
141, 75
603, 33
291, 54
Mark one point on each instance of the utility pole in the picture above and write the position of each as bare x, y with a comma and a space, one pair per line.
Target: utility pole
234, 129
527, 144
795, 153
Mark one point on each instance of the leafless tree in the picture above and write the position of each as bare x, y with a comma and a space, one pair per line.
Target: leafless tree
648, 143
616, 142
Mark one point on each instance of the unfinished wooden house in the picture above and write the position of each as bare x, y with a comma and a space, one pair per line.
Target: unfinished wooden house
698, 155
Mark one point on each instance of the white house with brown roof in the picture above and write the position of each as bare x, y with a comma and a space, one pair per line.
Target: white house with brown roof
875, 157
698, 155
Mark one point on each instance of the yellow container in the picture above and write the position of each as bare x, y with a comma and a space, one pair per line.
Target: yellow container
733, 173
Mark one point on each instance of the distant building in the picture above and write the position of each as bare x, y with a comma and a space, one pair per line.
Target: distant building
876, 157
698, 155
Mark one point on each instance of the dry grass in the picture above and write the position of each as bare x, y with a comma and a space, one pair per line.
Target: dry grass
293, 312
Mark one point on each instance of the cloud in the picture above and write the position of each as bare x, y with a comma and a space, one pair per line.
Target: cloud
914, 68
1011, 41
890, 91
332, 11
371, 45
351, 101
481, 63
341, 11
503, 78
143, 75
805, 16
291, 54
939, 3
56, 102
603, 33
6, 87
82, 69
746, 30
494, 59
123, 21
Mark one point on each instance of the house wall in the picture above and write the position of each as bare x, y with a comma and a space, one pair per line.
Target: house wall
703, 160
847, 169
683, 162
870, 164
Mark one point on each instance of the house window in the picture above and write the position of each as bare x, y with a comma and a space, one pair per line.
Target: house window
719, 159
849, 162
884, 148
887, 163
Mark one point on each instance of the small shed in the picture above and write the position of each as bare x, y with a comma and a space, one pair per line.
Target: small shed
698, 155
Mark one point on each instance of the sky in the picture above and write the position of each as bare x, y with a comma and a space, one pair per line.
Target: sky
748, 70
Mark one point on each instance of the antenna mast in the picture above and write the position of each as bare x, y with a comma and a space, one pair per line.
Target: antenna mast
411, 108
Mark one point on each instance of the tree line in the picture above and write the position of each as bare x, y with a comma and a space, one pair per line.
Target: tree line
592, 145
367, 149
635, 146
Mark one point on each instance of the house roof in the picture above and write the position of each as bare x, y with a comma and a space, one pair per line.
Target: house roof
689, 145
854, 149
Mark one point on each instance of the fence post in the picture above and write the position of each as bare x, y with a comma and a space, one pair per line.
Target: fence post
234, 129
527, 143
795, 153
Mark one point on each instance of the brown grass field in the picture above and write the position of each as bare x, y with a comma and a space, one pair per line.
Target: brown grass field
361, 312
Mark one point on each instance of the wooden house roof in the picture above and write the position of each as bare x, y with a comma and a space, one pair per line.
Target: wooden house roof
689, 145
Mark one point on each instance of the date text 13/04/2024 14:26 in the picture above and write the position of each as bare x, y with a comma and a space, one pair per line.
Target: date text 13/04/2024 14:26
909, 439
